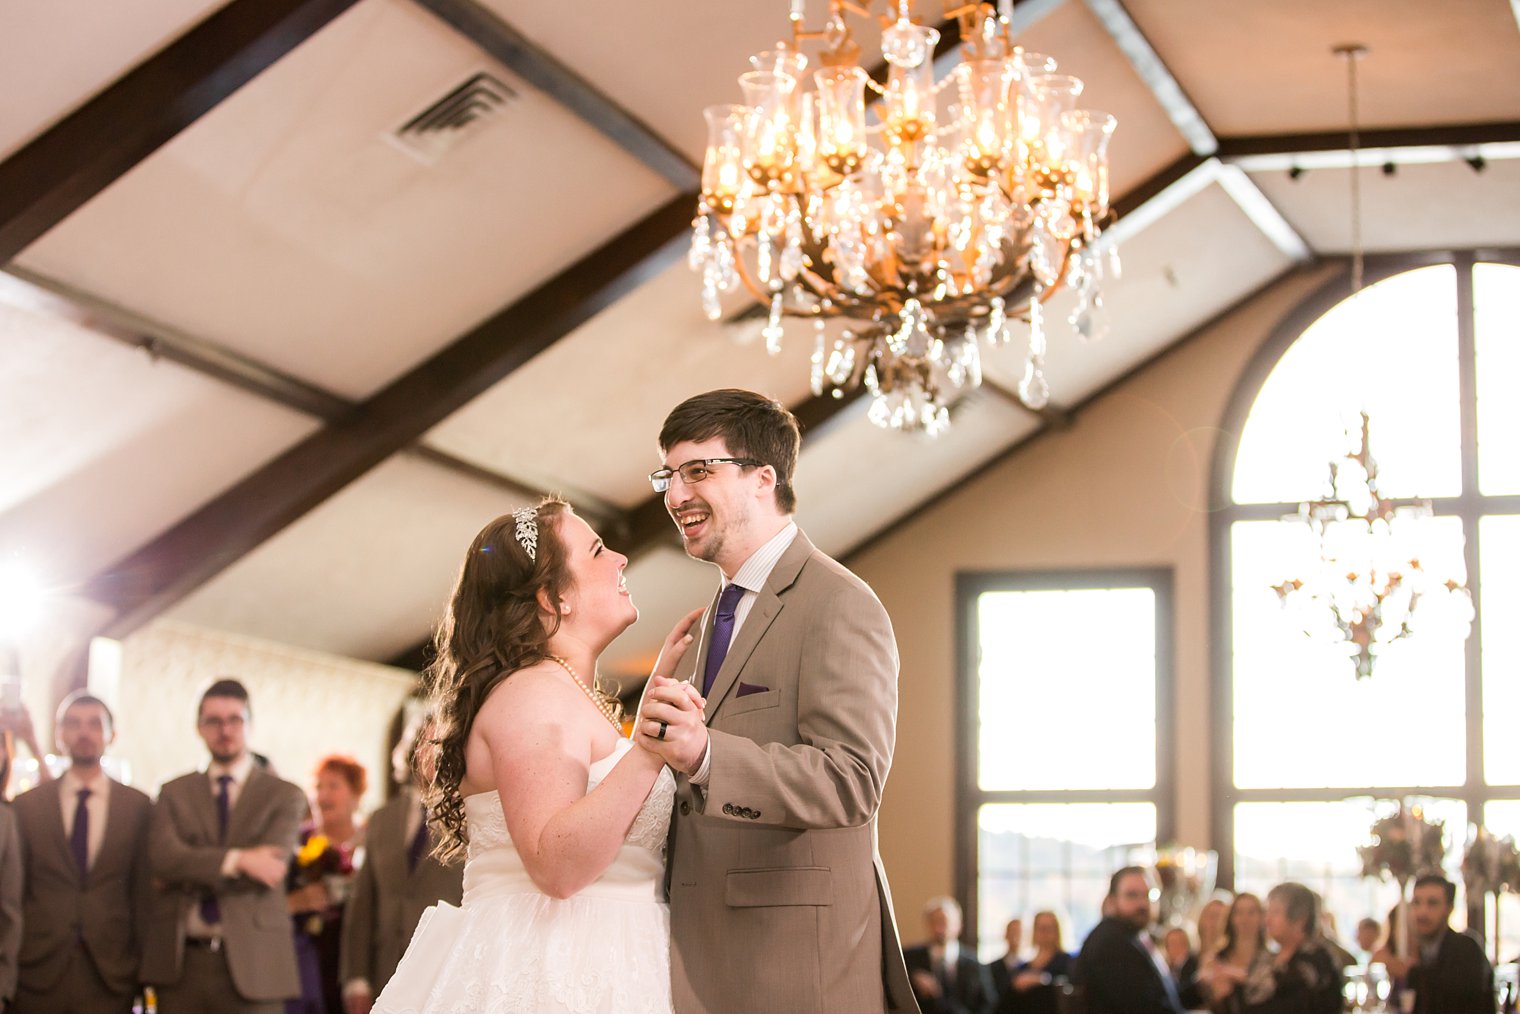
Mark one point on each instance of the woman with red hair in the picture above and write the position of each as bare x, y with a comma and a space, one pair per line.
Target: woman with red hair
321, 873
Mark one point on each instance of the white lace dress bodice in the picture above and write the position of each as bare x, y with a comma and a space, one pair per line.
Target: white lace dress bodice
509, 947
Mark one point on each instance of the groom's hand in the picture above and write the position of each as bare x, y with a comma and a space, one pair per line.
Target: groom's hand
678, 706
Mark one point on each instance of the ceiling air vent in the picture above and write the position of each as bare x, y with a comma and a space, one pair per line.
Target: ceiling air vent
431, 134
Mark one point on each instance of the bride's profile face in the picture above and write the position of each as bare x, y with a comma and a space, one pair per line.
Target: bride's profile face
597, 593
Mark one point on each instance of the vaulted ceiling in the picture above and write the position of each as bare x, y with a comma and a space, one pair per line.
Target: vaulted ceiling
268, 359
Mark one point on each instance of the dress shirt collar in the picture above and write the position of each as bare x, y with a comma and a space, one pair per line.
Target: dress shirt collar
239, 769
755, 571
69, 783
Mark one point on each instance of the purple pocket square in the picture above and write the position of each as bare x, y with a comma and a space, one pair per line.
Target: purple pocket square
745, 689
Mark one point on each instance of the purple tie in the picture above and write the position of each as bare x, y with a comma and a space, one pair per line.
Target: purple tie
79, 837
418, 845
723, 632
211, 909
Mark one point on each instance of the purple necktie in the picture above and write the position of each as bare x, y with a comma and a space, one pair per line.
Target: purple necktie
723, 632
211, 909
79, 837
419, 843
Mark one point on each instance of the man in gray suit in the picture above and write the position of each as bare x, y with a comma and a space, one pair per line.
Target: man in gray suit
778, 901
398, 881
84, 848
219, 936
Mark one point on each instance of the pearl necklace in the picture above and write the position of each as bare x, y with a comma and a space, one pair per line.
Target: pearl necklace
602, 704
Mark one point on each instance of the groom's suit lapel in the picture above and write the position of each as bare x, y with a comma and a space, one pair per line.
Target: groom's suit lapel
767, 606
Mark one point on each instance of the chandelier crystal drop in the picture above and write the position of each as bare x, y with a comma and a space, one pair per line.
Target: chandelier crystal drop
927, 214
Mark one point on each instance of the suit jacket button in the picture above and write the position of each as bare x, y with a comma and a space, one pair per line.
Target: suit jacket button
685, 807
728, 808
754, 815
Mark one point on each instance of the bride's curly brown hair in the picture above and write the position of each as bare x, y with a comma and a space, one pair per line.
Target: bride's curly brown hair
494, 626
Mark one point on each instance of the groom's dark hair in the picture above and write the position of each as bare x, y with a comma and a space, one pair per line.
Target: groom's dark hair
752, 425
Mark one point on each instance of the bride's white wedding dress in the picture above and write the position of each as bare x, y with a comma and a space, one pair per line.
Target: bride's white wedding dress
510, 947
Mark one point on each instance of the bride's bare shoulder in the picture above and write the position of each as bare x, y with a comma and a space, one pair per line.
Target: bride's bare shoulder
534, 695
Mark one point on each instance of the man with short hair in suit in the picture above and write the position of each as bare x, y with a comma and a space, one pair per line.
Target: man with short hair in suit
946, 979
1120, 970
219, 937
398, 881
84, 847
1452, 975
778, 901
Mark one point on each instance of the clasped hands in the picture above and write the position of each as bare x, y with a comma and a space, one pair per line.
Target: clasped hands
671, 721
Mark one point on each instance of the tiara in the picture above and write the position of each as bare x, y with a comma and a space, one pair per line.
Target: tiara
527, 530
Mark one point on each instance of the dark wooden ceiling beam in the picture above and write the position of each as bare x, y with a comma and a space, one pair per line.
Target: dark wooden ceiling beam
163, 571
543, 71
1331, 149
92, 147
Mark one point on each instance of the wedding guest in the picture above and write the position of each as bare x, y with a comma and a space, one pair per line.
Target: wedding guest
84, 850
17, 721
1000, 970
1182, 962
218, 937
1036, 982
1305, 977
946, 980
400, 878
1240, 970
10, 903
1330, 936
1368, 930
1451, 974
1119, 968
1211, 925
317, 884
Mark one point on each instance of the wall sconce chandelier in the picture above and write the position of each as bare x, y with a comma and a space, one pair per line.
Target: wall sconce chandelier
1370, 582
927, 229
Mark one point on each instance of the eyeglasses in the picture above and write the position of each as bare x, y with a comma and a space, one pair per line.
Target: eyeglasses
694, 471
217, 722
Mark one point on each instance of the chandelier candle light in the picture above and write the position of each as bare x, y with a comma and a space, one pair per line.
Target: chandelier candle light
964, 205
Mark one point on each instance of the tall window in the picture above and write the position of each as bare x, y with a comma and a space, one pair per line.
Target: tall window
1306, 750
1062, 679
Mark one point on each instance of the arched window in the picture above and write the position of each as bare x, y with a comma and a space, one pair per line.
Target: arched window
1303, 748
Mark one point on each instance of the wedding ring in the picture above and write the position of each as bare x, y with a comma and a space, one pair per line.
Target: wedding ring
663, 727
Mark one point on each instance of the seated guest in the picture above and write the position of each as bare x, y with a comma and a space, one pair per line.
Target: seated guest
1452, 974
1000, 971
1036, 981
1119, 969
1305, 977
84, 848
1211, 922
1240, 969
1177, 948
400, 878
318, 880
945, 980
1368, 931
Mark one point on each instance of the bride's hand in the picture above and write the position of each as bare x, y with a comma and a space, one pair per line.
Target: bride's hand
676, 642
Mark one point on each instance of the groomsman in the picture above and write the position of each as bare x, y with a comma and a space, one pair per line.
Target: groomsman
219, 937
84, 855
398, 881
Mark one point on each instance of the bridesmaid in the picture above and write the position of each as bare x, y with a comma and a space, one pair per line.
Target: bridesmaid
321, 872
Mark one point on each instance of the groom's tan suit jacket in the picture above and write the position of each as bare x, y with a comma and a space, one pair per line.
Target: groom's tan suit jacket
778, 901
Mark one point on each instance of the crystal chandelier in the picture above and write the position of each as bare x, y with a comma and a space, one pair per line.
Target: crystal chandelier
1369, 583
952, 209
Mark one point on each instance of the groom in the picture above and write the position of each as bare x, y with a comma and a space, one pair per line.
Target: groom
778, 901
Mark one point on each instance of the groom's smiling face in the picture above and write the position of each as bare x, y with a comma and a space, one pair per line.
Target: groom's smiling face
713, 515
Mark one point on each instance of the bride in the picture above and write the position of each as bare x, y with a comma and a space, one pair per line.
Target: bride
561, 819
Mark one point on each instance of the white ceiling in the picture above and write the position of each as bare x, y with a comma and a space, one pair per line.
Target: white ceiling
286, 228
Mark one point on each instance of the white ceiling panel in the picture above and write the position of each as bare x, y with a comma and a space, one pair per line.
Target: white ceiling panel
367, 574
858, 478
1419, 207
102, 448
1177, 273
286, 226
586, 413
1268, 68
665, 584
55, 55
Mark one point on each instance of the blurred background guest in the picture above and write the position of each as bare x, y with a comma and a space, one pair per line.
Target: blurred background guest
1119, 969
945, 979
1305, 976
1036, 982
1211, 923
321, 873
1182, 962
1000, 970
1368, 932
1240, 969
1451, 974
